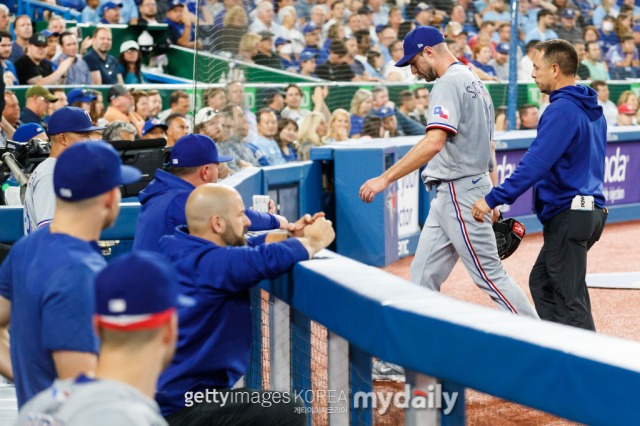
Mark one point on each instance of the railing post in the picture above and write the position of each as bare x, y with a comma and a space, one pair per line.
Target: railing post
445, 402
361, 383
420, 416
280, 345
338, 374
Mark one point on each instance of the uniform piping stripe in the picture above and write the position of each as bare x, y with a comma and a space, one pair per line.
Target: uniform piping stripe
443, 127
44, 222
467, 241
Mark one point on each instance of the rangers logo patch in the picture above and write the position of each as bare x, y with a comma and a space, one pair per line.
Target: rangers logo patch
441, 112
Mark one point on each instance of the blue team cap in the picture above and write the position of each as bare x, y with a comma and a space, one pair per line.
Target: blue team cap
384, 112
48, 33
175, 3
195, 151
309, 27
306, 55
80, 95
137, 291
568, 13
380, 27
110, 5
417, 40
88, 169
150, 124
503, 48
279, 41
71, 119
26, 132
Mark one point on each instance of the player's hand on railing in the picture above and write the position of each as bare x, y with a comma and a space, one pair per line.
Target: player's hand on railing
318, 236
372, 187
297, 228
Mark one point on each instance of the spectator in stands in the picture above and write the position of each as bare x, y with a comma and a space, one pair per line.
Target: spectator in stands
265, 56
354, 24
628, 97
528, 117
583, 71
56, 300
97, 109
500, 61
308, 64
29, 131
203, 251
180, 29
141, 104
495, 12
236, 138
81, 98
374, 64
623, 55
311, 134
623, 24
422, 104
317, 17
387, 37
284, 50
235, 96
265, 142
484, 36
607, 37
543, 31
407, 105
248, 47
568, 30
79, 72
32, 68
339, 126
91, 12
459, 15
273, 98
405, 124
265, 20
36, 105
289, 30
215, 98
5, 22
234, 27
130, 62
361, 104
10, 75
23, 30
389, 122
119, 131
312, 39
482, 56
607, 8
393, 73
147, 11
293, 100
176, 128
155, 103
423, 14
52, 46
179, 103
62, 101
154, 129
380, 12
111, 13
525, 66
103, 66
286, 139
626, 115
337, 17
395, 18
590, 33
120, 107
363, 40
303, 10
207, 123
335, 68
597, 68
372, 127
11, 112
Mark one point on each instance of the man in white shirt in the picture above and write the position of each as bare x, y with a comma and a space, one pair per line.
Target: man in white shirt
265, 20
525, 66
609, 108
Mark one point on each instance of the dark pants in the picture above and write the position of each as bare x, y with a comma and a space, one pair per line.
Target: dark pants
558, 279
238, 411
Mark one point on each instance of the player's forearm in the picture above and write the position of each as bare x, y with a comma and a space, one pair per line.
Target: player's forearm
418, 156
6, 368
494, 174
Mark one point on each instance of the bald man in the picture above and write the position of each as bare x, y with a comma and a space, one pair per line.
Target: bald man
217, 267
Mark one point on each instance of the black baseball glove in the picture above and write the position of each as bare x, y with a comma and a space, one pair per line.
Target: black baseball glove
509, 233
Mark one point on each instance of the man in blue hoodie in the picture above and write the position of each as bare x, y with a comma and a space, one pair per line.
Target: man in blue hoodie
565, 164
217, 267
194, 162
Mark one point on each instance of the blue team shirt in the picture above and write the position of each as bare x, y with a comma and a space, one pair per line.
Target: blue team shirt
8, 66
215, 334
176, 30
356, 125
49, 279
488, 69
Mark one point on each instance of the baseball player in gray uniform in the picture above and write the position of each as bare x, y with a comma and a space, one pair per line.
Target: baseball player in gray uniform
66, 126
136, 300
457, 148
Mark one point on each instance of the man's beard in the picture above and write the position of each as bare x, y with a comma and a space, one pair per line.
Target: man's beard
233, 240
429, 74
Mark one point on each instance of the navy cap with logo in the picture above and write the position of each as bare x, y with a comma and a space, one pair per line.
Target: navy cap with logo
417, 40
568, 13
195, 151
175, 3
307, 55
385, 112
137, 291
88, 169
421, 7
26, 132
269, 93
48, 33
280, 41
309, 28
110, 5
150, 124
80, 95
38, 39
71, 119
503, 48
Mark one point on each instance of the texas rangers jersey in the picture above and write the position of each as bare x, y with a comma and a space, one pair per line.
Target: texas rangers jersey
461, 105
83, 401
40, 198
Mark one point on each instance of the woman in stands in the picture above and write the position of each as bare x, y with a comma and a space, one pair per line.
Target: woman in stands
130, 62
286, 138
622, 25
313, 129
360, 106
97, 110
395, 19
248, 47
141, 103
339, 126
372, 127
481, 56
233, 28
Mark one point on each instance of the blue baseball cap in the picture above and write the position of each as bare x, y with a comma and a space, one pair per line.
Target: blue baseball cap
175, 3
71, 119
568, 13
380, 27
309, 27
385, 112
503, 48
417, 40
150, 124
279, 41
48, 33
26, 132
88, 169
195, 151
80, 95
306, 55
137, 291
421, 7
110, 5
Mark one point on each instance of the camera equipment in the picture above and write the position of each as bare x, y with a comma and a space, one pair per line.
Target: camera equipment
20, 159
146, 155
